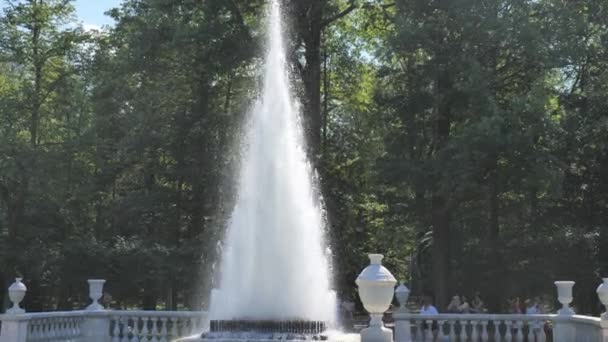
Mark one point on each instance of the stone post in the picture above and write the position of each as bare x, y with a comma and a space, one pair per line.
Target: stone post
564, 330
96, 326
376, 288
14, 322
402, 324
602, 293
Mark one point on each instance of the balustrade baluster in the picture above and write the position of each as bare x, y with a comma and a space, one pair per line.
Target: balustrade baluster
60, 327
49, 329
484, 331
135, 329
75, 329
79, 327
41, 329
64, 327
452, 325
497, 335
520, 331
192, 326
428, 336
509, 331
32, 330
115, 329
173, 327
462, 334
145, 332
70, 328
474, 331
125, 330
154, 331
419, 330
162, 337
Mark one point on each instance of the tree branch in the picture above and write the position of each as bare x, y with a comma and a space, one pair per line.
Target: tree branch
340, 15
351, 8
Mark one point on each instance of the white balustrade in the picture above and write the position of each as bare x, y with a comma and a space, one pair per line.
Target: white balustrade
55, 326
155, 325
477, 327
95, 324
564, 326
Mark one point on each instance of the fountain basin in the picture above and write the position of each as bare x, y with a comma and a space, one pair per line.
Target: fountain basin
329, 336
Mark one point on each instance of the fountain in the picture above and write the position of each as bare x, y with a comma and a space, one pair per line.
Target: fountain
274, 280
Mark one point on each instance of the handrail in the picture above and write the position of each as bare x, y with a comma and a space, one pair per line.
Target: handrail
142, 313
477, 317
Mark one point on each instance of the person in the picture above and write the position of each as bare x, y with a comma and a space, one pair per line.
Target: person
454, 305
532, 307
478, 305
106, 300
465, 307
427, 307
515, 306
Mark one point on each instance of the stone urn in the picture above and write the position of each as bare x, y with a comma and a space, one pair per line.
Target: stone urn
564, 296
16, 293
376, 287
602, 293
95, 293
402, 293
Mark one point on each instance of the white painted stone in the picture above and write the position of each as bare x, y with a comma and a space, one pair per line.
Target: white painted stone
376, 288
402, 293
564, 331
402, 326
14, 328
16, 293
95, 293
602, 293
564, 296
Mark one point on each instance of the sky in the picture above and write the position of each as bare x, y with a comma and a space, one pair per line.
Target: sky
91, 12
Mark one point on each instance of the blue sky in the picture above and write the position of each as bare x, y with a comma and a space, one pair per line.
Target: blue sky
91, 12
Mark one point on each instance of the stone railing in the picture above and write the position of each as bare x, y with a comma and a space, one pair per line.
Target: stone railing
375, 283
155, 325
95, 324
55, 326
473, 327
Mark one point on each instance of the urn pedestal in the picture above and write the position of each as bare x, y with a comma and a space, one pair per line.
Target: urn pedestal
602, 293
16, 293
376, 288
564, 296
95, 293
402, 325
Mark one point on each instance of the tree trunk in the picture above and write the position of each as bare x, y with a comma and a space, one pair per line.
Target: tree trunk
441, 251
312, 77
439, 205
494, 251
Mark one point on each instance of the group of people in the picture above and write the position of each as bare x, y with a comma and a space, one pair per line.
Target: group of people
528, 307
460, 304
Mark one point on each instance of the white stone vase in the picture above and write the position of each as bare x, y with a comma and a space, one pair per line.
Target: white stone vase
602, 293
402, 293
564, 296
16, 293
376, 286
95, 293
